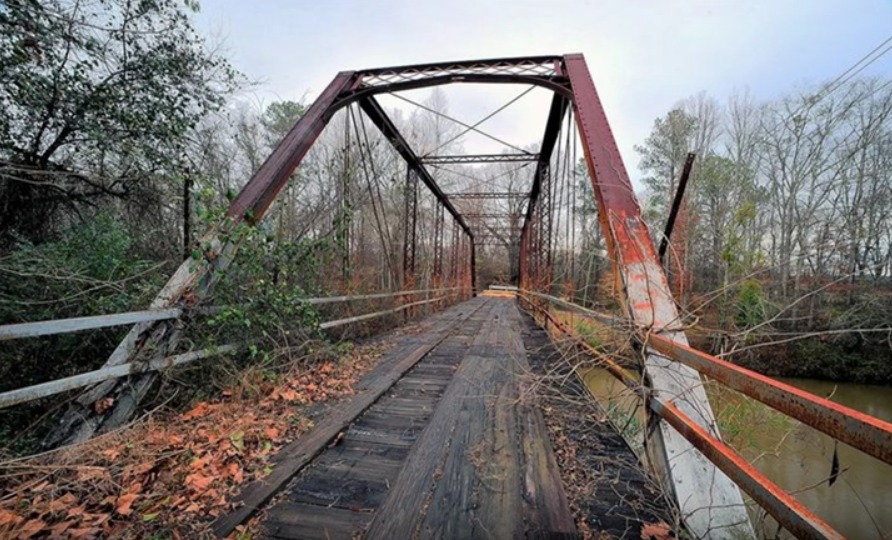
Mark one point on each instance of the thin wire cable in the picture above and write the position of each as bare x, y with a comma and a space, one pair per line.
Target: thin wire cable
565, 206
833, 86
366, 163
459, 122
484, 119
573, 209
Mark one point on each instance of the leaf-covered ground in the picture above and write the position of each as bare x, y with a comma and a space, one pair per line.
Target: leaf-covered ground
170, 474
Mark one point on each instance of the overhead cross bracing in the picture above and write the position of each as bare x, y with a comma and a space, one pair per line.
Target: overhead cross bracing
480, 158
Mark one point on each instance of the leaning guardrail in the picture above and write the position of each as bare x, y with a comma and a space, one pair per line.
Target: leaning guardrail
77, 324
862, 431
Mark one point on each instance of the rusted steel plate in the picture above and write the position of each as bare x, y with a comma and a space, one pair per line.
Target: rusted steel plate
789, 512
869, 434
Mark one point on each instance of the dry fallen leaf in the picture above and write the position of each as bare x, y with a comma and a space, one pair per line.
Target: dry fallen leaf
60, 528
198, 410
657, 531
199, 482
30, 528
63, 502
122, 506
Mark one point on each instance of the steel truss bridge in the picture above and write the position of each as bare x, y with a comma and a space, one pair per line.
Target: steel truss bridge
706, 478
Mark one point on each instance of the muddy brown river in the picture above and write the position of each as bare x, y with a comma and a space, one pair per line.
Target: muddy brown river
795, 456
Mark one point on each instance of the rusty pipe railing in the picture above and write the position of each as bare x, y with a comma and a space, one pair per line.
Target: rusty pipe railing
82, 380
792, 514
869, 434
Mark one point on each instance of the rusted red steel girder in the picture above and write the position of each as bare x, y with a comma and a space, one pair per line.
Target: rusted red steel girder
712, 503
862, 431
258, 194
378, 117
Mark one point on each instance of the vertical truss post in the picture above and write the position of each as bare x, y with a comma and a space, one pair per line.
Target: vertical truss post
411, 226
533, 219
546, 212
711, 504
453, 259
439, 227
522, 260
472, 267
345, 217
537, 247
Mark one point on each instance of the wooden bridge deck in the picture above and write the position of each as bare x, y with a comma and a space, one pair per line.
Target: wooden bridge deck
456, 447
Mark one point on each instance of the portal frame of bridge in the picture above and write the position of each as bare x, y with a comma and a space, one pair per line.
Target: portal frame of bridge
711, 504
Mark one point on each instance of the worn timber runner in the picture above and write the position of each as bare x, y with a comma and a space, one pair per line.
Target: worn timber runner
444, 440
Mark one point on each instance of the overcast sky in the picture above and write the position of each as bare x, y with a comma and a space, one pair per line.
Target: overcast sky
644, 55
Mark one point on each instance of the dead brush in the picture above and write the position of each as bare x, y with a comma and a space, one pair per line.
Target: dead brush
171, 472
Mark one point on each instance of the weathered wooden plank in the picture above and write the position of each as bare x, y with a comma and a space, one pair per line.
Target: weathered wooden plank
299, 453
483, 468
546, 510
396, 436
312, 522
337, 487
377, 417
445, 371
403, 511
374, 468
483, 461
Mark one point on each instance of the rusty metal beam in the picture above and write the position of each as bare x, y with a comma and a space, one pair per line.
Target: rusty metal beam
559, 105
543, 64
792, 514
711, 503
378, 117
862, 431
542, 71
490, 215
788, 511
77, 324
254, 199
